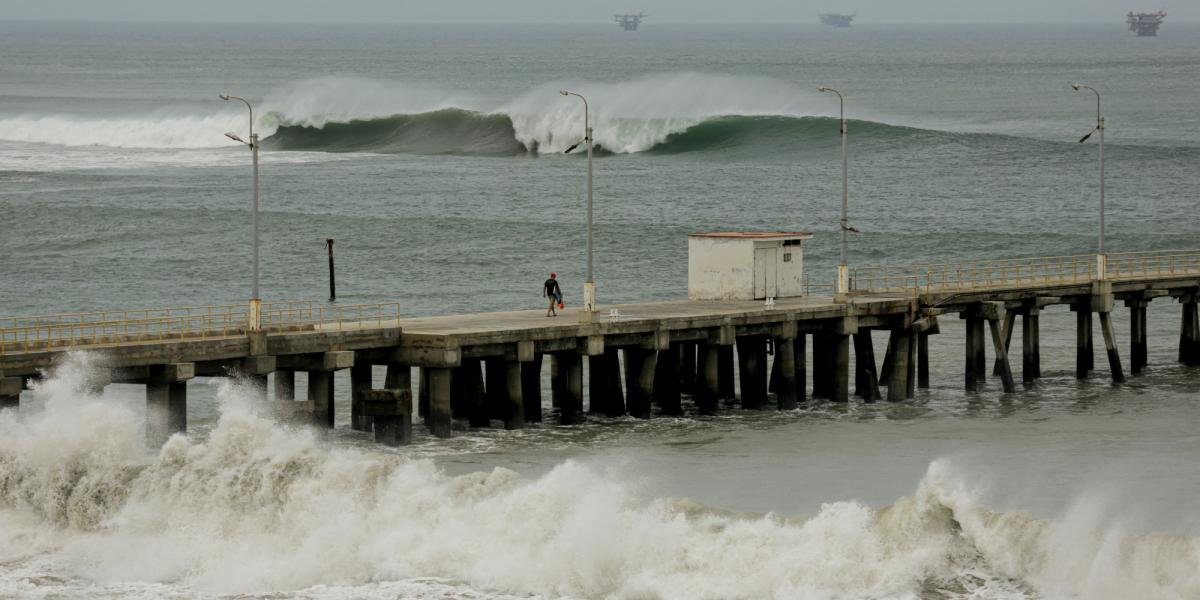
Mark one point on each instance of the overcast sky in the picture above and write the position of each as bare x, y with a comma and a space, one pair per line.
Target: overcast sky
594, 11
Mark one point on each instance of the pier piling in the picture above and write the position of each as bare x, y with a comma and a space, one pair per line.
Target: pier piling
1031, 359
571, 409
800, 352
440, 419
514, 413
1006, 376
752, 351
1110, 345
725, 387
360, 381
666, 382
841, 367
10, 392
866, 379
1084, 354
900, 348
707, 380
1006, 333
320, 394
166, 401
785, 357
285, 386
923, 360
531, 389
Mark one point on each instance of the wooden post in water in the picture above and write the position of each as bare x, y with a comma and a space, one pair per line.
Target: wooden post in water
332, 275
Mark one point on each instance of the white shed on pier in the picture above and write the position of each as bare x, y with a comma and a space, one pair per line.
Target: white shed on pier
746, 265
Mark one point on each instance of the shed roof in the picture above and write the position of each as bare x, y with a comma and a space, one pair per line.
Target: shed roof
755, 235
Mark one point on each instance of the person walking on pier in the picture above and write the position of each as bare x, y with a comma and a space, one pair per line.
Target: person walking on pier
552, 292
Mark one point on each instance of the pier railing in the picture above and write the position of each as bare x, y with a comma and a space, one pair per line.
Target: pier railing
110, 328
1017, 273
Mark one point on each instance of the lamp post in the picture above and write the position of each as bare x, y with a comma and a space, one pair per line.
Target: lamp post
589, 286
843, 275
255, 302
1100, 257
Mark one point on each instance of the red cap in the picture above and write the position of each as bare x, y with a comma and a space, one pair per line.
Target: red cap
553, 275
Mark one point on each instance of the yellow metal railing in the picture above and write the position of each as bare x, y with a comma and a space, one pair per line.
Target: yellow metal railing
974, 275
1149, 265
113, 328
1018, 273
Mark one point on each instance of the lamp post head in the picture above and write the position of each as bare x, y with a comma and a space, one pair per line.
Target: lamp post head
223, 96
564, 92
1079, 86
821, 88
233, 136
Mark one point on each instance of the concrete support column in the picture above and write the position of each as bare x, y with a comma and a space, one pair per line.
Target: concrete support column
1083, 339
666, 382
800, 354
1006, 377
390, 411
320, 394
258, 382
1189, 335
615, 401
910, 379
822, 366
598, 384
10, 392
531, 389
973, 366
923, 360
725, 388
440, 419
889, 356
841, 367
571, 368
1110, 345
866, 379
360, 381
424, 395
752, 352
687, 367
639, 380
558, 382
900, 350
494, 401
166, 401
285, 386
514, 417
399, 377
1031, 353
785, 357
708, 380
1138, 348
1006, 333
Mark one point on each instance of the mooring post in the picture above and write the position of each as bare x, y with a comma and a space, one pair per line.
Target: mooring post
166, 401
440, 419
571, 410
285, 386
615, 401
785, 357
531, 388
666, 382
708, 380
900, 348
1006, 332
360, 380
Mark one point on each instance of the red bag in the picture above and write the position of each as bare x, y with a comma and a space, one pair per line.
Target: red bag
561, 305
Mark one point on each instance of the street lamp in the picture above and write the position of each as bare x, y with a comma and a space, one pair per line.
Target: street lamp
255, 302
1100, 258
843, 275
589, 286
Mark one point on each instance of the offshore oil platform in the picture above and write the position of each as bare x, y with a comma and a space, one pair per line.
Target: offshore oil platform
835, 20
629, 22
1145, 24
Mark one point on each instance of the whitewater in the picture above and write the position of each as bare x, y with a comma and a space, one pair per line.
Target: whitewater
257, 507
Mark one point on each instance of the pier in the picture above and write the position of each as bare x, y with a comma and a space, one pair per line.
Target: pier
641, 359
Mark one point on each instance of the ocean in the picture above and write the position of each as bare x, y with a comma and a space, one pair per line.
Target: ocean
434, 156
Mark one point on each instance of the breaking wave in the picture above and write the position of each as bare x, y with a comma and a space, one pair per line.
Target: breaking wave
259, 507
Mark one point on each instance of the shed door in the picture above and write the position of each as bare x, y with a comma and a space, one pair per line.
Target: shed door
765, 272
